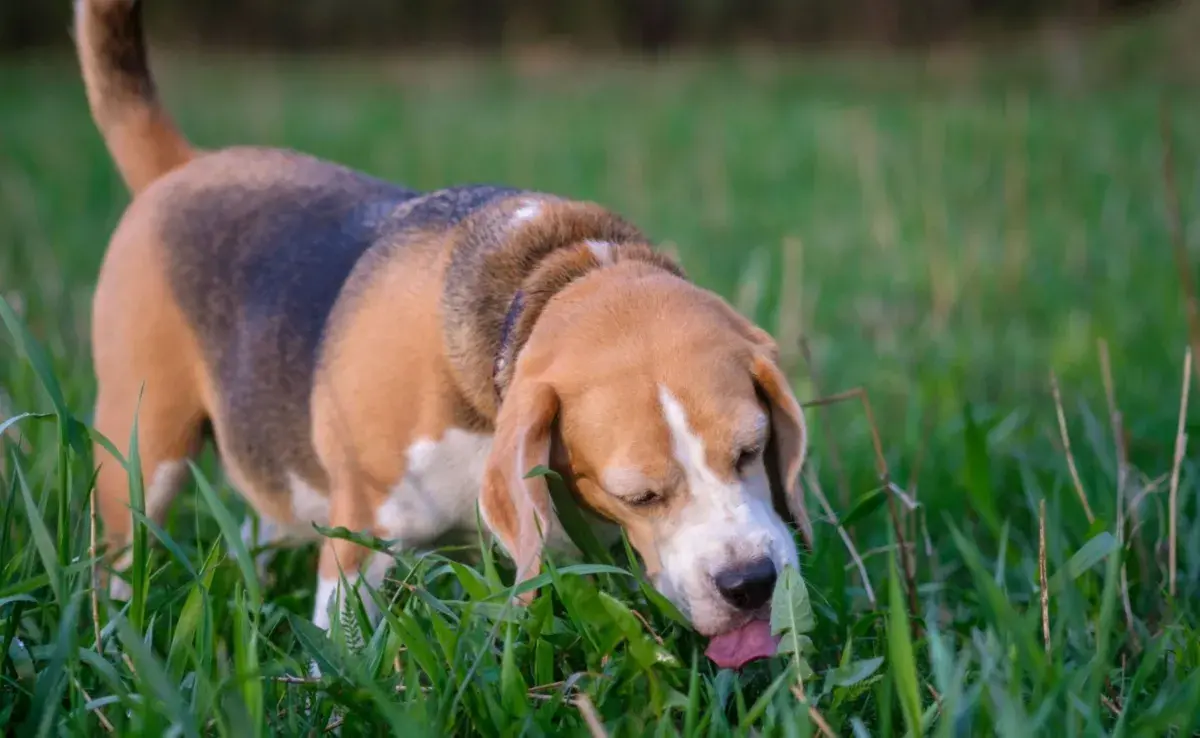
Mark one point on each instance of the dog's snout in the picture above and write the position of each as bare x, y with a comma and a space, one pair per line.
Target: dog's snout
748, 586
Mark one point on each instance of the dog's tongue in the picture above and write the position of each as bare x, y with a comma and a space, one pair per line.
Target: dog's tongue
735, 649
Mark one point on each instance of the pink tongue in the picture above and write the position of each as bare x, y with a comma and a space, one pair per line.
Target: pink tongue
735, 649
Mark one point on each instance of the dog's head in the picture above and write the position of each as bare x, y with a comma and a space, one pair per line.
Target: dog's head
668, 414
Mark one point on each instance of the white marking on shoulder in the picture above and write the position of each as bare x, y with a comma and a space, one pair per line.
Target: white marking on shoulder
439, 489
530, 210
602, 250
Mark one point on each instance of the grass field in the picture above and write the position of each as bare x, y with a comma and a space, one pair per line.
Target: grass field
945, 235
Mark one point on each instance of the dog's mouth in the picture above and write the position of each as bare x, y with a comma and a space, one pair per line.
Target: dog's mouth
735, 648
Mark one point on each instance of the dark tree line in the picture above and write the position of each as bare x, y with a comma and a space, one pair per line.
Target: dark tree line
646, 25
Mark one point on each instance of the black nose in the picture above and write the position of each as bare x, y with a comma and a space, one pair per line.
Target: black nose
748, 587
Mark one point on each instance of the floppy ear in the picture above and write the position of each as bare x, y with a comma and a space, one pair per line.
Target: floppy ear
519, 510
788, 442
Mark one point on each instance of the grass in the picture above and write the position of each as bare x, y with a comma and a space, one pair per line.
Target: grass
947, 240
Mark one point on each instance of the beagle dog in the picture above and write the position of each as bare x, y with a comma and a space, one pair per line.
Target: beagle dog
392, 361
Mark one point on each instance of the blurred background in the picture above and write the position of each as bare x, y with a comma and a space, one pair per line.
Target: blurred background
652, 26
944, 199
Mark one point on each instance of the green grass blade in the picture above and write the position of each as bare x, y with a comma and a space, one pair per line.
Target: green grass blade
36, 356
419, 648
318, 647
154, 681
192, 614
691, 715
978, 470
1097, 549
901, 661
756, 711
232, 534
42, 540
571, 516
512, 686
246, 664
12, 422
139, 571
473, 583
104, 670
487, 554
866, 505
169, 543
51, 683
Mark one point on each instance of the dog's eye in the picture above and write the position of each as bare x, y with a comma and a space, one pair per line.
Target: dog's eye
745, 458
645, 499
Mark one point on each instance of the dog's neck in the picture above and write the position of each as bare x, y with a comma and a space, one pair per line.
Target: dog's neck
506, 268
551, 277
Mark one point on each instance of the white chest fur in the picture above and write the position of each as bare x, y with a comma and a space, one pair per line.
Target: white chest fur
439, 490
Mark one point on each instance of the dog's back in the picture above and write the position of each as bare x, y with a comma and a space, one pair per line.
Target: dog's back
252, 245
218, 283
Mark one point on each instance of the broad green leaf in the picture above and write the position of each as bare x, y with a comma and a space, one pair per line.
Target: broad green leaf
641, 646
473, 583
791, 609
792, 617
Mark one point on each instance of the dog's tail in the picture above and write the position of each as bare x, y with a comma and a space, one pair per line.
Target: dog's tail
140, 135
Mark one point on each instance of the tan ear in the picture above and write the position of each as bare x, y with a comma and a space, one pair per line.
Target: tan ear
519, 511
788, 443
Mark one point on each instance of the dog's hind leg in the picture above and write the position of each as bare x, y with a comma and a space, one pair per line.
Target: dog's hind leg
145, 361
168, 435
